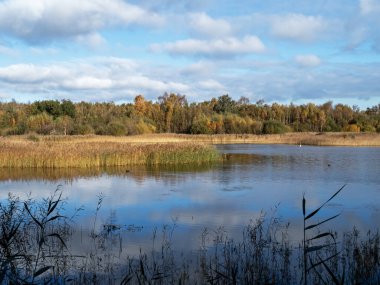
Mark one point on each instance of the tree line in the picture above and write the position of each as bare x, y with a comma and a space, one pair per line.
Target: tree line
171, 113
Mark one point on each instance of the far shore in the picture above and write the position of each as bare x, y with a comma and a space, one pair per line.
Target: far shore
314, 139
305, 138
309, 138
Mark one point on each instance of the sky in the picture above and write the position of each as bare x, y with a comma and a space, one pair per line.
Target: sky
285, 51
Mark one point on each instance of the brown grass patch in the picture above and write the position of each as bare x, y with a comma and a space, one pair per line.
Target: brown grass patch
318, 139
86, 152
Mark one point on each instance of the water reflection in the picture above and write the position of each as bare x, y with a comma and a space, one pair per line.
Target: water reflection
139, 173
252, 178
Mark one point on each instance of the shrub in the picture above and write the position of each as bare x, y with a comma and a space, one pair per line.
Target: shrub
200, 125
116, 129
84, 129
41, 123
274, 127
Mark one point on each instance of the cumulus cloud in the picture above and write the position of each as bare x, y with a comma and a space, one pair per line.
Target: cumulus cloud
46, 20
298, 27
205, 25
369, 7
363, 28
120, 79
211, 84
86, 83
309, 60
92, 40
29, 73
176, 7
198, 68
120, 76
229, 46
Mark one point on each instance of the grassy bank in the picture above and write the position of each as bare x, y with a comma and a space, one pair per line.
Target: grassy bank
86, 152
317, 139
155, 149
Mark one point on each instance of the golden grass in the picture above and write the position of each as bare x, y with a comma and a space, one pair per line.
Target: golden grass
154, 149
317, 139
86, 152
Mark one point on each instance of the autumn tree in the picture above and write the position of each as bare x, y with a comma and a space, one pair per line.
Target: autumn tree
140, 106
173, 107
41, 123
224, 104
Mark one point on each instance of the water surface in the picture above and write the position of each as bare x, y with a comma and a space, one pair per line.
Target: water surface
253, 179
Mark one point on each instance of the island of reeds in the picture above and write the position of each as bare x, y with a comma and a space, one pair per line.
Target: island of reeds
56, 152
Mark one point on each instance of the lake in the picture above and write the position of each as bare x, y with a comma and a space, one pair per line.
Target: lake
252, 180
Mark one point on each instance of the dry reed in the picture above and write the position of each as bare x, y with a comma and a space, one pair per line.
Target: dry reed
60, 152
317, 139
306, 138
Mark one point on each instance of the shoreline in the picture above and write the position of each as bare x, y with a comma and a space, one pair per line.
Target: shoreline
309, 138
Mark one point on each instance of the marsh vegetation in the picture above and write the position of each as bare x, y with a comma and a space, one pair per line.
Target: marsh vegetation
37, 247
203, 225
56, 152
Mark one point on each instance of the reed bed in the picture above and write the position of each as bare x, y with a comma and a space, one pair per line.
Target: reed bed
305, 138
316, 139
37, 238
53, 152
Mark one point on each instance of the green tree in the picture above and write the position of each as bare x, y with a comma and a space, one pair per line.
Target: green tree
64, 125
68, 108
224, 104
200, 125
274, 127
41, 123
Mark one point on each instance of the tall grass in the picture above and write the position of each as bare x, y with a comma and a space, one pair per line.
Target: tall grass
309, 138
33, 240
85, 153
35, 248
313, 259
303, 138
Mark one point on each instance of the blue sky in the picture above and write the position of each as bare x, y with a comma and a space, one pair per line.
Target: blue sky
112, 50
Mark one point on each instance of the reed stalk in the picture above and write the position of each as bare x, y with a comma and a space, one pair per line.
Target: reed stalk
87, 153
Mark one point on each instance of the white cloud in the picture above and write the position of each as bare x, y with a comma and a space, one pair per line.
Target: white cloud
29, 73
199, 68
298, 27
46, 20
92, 40
120, 79
309, 60
96, 75
211, 84
143, 82
87, 83
369, 6
363, 29
205, 25
229, 46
